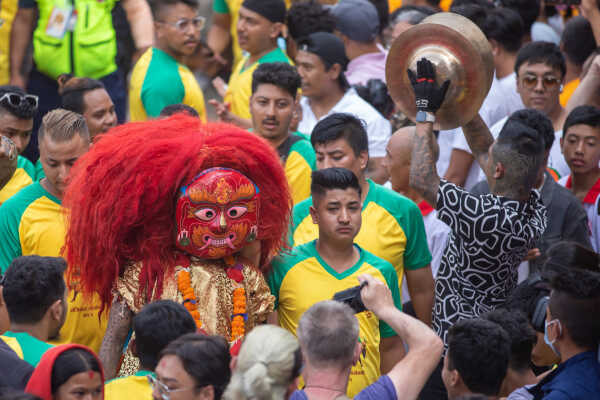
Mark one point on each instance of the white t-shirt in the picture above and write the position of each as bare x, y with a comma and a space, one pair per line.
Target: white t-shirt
590, 205
556, 161
378, 128
498, 104
437, 236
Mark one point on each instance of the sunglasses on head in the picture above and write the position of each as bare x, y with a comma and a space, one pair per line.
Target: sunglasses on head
548, 82
16, 99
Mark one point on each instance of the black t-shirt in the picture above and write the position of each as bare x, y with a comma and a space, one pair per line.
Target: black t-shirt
14, 372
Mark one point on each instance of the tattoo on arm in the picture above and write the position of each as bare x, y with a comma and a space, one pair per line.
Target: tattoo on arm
423, 173
479, 138
119, 323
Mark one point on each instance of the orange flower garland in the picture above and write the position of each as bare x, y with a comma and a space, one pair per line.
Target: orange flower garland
239, 311
190, 302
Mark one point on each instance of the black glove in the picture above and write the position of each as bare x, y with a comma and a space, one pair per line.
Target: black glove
428, 95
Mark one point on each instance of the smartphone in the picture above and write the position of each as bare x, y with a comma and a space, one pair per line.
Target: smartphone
352, 298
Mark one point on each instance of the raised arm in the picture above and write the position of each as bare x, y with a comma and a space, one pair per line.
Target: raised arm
429, 97
20, 37
425, 347
119, 324
139, 17
479, 138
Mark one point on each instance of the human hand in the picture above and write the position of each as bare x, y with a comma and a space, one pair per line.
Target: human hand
532, 254
376, 296
222, 110
8, 160
429, 96
220, 86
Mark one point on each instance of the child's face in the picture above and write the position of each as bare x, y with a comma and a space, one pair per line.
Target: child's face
581, 148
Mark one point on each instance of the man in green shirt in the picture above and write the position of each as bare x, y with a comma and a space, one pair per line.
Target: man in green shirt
35, 294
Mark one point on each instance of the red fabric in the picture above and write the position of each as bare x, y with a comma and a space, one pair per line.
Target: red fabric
592, 194
40, 383
122, 195
425, 208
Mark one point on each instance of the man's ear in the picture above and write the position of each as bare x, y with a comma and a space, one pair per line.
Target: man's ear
357, 350
363, 159
455, 378
56, 310
498, 170
495, 47
313, 214
278, 29
334, 71
207, 392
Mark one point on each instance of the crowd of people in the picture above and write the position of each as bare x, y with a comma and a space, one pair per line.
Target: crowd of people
230, 205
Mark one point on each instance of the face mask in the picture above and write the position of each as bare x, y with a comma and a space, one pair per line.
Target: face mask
546, 340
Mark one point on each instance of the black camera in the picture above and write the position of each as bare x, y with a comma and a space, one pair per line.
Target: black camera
352, 298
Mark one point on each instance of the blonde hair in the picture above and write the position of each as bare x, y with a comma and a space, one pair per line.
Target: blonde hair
62, 125
268, 362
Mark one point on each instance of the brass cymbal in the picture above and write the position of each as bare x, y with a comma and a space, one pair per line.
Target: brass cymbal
460, 52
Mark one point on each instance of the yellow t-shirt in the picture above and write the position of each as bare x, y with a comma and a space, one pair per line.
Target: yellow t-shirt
32, 222
135, 387
567, 92
8, 10
392, 229
299, 161
239, 88
303, 278
24, 175
157, 81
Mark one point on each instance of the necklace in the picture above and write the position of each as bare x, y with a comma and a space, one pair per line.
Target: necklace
190, 302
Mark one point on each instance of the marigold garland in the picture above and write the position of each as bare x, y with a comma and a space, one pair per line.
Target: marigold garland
239, 313
190, 302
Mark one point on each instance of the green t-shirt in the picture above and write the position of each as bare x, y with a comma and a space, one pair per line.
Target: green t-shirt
32, 349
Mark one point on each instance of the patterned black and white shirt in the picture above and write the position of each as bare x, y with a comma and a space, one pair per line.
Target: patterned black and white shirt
490, 235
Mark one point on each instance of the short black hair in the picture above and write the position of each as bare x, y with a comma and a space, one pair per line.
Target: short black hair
205, 358
582, 115
488, 5
156, 6
529, 10
279, 74
306, 17
157, 325
178, 108
577, 41
541, 53
375, 92
538, 121
383, 13
479, 350
23, 111
333, 178
575, 301
521, 334
72, 90
566, 254
31, 285
526, 298
505, 26
474, 12
72, 362
341, 125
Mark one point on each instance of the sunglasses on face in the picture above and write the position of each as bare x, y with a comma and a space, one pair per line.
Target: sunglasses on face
548, 82
16, 99
183, 24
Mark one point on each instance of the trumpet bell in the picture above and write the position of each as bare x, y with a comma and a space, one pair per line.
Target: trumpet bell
460, 52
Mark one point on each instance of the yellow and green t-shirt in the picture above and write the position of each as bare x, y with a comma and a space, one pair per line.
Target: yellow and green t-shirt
27, 347
239, 88
299, 161
157, 81
302, 278
32, 222
232, 7
134, 387
24, 175
392, 229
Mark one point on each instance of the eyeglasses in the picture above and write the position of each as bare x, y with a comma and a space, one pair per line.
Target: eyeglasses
183, 24
16, 99
163, 389
548, 82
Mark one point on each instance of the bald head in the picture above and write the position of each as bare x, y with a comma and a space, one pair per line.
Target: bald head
398, 156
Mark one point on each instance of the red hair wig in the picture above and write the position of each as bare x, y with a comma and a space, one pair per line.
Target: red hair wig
122, 194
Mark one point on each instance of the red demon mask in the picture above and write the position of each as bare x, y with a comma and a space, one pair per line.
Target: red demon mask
217, 213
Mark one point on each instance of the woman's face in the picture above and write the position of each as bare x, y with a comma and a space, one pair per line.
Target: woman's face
82, 386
